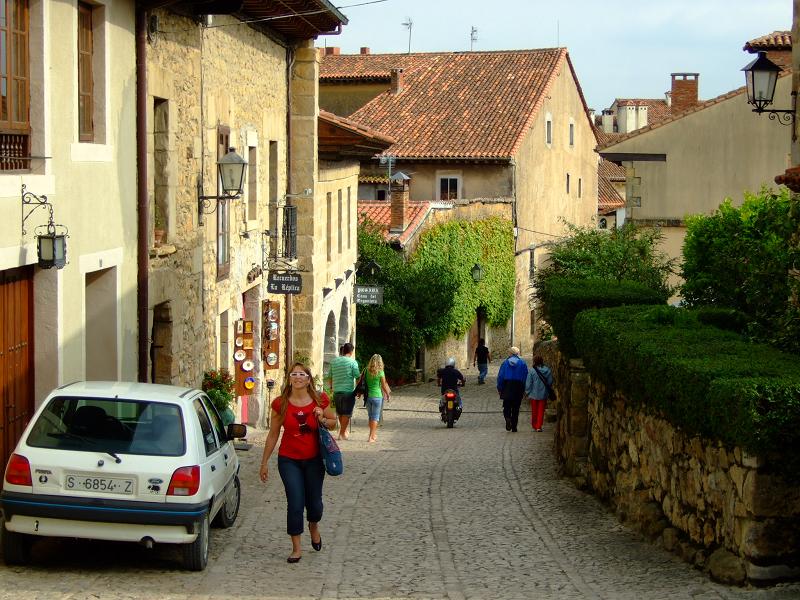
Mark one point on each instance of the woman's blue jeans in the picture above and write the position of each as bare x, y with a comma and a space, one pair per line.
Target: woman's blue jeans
302, 480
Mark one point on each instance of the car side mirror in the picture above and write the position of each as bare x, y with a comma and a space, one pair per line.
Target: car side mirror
237, 430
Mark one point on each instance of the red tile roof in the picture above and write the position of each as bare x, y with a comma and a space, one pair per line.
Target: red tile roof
696, 108
657, 110
454, 105
608, 199
379, 211
777, 40
611, 171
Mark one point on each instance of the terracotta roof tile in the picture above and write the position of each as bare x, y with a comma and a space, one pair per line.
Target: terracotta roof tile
611, 171
379, 211
453, 105
657, 110
777, 40
608, 199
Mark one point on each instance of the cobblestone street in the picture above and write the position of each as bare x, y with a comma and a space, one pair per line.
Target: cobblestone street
426, 512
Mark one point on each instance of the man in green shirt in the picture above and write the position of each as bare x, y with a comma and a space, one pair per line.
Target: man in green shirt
343, 374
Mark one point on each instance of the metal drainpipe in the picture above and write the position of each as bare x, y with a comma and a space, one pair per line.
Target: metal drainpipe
289, 297
514, 224
142, 203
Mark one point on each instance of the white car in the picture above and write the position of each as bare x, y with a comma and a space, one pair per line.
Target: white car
131, 462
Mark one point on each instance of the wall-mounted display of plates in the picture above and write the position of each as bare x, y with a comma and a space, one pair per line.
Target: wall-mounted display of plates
239, 355
247, 365
272, 359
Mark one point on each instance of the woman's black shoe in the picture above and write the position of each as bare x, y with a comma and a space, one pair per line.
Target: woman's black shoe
293, 559
317, 545
508, 424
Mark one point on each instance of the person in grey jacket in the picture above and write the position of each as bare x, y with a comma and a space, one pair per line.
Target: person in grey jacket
539, 378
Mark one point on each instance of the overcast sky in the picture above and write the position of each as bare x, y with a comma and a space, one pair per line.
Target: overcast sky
619, 50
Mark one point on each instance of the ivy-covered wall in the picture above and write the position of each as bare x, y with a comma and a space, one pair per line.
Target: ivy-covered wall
432, 295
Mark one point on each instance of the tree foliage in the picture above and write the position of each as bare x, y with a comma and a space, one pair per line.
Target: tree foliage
432, 295
740, 258
628, 253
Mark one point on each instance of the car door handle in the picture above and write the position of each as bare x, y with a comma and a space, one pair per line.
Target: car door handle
213, 467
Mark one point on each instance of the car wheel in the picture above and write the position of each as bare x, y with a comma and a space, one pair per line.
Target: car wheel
195, 554
230, 510
16, 547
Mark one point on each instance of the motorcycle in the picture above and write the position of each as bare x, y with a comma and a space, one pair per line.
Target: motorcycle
450, 407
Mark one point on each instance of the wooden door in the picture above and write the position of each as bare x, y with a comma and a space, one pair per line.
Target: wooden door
16, 356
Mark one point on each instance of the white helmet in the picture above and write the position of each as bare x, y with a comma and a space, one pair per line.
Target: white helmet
451, 362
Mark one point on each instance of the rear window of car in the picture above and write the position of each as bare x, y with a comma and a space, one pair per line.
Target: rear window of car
119, 426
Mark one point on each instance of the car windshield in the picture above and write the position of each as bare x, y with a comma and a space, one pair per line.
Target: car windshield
112, 426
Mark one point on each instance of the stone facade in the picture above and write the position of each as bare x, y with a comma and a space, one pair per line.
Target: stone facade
718, 508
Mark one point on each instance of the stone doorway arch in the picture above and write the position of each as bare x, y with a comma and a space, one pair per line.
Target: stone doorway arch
344, 324
330, 348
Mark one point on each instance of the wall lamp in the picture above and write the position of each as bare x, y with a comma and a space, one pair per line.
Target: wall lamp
477, 273
761, 76
51, 239
230, 169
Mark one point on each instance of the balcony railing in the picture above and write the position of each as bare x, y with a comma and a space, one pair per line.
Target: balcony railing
14, 152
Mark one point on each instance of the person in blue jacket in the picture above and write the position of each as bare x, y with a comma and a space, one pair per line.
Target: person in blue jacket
511, 381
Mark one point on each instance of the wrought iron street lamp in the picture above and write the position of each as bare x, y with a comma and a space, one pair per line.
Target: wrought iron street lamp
761, 76
230, 169
477, 273
51, 239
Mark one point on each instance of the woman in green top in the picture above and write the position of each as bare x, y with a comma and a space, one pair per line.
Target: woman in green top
377, 391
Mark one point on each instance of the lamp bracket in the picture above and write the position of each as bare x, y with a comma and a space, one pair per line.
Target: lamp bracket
782, 116
205, 206
30, 202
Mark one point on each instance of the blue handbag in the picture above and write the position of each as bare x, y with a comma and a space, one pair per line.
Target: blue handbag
331, 455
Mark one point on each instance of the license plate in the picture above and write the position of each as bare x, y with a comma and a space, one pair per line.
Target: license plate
449, 405
108, 485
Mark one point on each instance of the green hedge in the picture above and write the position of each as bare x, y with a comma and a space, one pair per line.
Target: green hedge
705, 380
564, 298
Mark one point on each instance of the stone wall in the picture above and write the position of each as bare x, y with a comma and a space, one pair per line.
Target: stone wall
716, 507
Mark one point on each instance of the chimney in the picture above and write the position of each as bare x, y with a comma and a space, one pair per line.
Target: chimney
399, 197
332, 51
397, 81
364, 50
684, 91
668, 98
607, 120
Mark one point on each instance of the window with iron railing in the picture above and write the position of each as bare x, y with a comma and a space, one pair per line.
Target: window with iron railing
15, 125
289, 233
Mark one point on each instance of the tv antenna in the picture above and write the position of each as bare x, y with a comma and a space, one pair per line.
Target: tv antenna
409, 24
473, 36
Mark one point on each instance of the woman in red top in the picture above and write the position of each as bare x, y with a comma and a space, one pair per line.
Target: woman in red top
300, 410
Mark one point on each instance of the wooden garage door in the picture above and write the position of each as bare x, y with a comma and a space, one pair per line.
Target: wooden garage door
16, 356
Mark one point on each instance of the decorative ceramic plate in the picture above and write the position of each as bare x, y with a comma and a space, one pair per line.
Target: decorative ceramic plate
249, 383
239, 341
272, 315
247, 365
272, 359
239, 355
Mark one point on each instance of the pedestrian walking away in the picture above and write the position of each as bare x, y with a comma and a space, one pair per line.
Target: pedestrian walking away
300, 410
511, 379
377, 392
540, 378
482, 358
342, 376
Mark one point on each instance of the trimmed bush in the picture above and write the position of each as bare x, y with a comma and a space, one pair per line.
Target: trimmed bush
564, 298
705, 380
724, 318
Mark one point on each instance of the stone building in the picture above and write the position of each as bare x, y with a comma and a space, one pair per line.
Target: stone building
532, 152
214, 83
67, 126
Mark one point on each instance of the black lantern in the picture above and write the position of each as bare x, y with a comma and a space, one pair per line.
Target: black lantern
51, 247
761, 75
230, 169
477, 273
51, 239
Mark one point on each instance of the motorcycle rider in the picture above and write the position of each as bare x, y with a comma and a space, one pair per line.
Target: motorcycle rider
449, 378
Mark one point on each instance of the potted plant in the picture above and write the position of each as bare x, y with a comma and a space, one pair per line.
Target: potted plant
220, 387
159, 231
